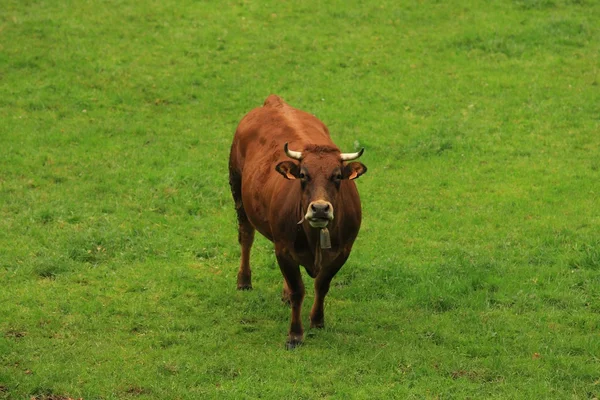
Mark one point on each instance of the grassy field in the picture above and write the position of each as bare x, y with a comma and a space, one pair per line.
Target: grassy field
476, 273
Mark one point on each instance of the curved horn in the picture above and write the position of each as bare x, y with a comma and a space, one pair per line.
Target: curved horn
352, 156
296, 155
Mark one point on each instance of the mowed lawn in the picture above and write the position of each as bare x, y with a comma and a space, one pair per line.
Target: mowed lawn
477, 270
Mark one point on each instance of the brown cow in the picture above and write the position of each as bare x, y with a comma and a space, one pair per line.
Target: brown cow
309, 207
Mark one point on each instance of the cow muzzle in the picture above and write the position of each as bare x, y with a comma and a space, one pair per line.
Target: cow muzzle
319, 213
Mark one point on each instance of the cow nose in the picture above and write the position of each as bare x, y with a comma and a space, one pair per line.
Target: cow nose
320, 208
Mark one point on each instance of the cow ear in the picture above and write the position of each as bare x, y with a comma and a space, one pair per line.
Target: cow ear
353, 170
288, 169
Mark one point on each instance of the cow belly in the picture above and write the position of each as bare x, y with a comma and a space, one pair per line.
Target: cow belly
256, 211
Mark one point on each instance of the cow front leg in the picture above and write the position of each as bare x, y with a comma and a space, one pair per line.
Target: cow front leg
322, 283
295, 289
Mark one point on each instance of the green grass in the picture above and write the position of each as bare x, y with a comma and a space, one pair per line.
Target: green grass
476, 273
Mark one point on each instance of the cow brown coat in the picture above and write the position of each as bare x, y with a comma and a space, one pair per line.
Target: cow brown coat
272, 195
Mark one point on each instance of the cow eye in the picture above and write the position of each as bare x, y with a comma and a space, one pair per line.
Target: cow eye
301, 175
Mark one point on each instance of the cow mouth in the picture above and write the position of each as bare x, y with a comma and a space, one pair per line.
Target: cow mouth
318, 222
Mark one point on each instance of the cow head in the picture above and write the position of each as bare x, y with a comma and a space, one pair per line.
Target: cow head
320, 170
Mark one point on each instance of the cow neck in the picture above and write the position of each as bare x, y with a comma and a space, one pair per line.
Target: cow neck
312, 236
318, 259
314, 242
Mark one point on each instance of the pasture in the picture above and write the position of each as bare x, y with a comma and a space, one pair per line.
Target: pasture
476, 273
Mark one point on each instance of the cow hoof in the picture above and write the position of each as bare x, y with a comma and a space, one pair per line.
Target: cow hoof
292, 344
317, 325
244, 287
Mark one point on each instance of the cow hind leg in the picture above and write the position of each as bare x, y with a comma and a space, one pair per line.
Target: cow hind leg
245, 238
245, 233
285, 294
